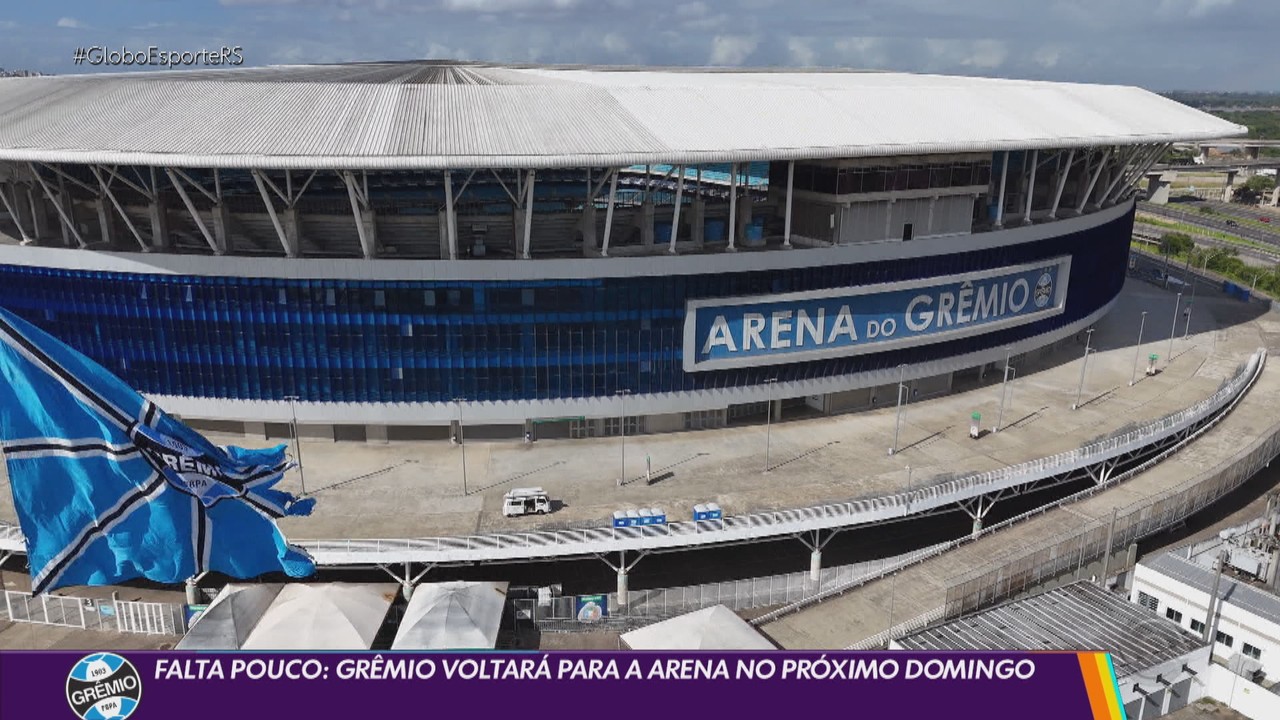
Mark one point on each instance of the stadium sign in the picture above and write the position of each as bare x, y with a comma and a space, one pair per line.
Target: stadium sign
736, 332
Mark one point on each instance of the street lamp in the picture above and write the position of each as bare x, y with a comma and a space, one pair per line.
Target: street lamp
1084, 365
462, 444
1195, 280
897, 423
1174, 330
1137, 350
768, 422
622, 396
297, 446
1003, 389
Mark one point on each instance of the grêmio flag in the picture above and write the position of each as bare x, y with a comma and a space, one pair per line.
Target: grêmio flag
109, 488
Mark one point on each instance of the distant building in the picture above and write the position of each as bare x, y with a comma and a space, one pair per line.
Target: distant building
1159, 666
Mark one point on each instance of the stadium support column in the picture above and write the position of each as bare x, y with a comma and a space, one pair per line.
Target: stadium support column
218, 249
675, 211
1031, 187
366, 225
623, 569
1004, 177
733, 206
1275, 197
608, 215
815, 542
1062, 184
56, 206
1088, 192
159, 215
528, 214
106, 190
1121, 171
698, 222
12, 208
71, 210
450, 219
791, 182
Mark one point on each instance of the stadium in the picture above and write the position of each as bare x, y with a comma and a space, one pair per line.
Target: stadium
386, 250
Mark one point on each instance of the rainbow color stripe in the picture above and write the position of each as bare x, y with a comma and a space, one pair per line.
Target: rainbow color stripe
1100, 683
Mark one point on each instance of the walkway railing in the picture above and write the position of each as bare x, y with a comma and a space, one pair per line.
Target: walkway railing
147, 618
516, 546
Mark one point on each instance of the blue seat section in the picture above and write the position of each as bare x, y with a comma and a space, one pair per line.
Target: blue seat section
384, 341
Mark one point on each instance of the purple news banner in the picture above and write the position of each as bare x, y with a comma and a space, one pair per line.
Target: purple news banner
115, 685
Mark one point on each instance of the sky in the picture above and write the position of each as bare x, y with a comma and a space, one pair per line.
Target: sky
1225, 45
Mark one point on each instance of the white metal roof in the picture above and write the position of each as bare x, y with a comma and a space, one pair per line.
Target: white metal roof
329, 616
713, 628
452, 616
431, 115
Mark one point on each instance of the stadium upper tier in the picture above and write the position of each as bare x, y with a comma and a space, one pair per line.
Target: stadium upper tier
442, 115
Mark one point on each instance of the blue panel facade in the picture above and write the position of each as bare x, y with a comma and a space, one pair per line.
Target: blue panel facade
387, 341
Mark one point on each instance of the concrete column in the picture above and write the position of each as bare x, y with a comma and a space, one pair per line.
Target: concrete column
442, 223
193, 592
1228, 190
517, 229
744, 216
622, 587
406, 586
644, 219
815, 566
292, 231
369, 221
977, 525
39, 213
222, 228
106, 228
1158, 188
1275, 197
375, 433
159, 225
590, 243
698, 221
21, 212
255, 430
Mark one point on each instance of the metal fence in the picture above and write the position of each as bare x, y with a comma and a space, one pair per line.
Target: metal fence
1058, 555
147, 618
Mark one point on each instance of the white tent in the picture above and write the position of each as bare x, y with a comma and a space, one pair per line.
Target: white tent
229, 619
332, 616
713, 628
452, 616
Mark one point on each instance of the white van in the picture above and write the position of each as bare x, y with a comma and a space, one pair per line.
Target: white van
526, 501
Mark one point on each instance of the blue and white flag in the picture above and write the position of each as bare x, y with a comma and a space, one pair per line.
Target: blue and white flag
109, 488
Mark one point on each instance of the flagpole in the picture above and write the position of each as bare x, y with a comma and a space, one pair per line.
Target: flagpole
297, 446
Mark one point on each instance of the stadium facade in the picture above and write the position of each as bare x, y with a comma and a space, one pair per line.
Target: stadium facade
385, 249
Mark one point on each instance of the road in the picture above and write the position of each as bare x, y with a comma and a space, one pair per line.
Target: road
1190, 215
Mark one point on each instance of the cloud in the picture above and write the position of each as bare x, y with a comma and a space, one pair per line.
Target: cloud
1047, 56
691, 10
496, 6
732, 49
70, 22
801, 51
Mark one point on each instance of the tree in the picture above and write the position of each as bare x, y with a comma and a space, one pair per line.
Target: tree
1176, 243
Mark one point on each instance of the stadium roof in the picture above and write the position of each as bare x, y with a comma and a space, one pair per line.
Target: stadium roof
1080, 616
440, 115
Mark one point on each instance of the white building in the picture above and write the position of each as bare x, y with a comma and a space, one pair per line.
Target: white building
1246, 624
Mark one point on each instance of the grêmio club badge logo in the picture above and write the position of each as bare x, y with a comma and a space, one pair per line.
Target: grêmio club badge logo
104, 686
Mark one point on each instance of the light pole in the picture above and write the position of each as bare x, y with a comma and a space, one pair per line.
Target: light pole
622, 396
462, 445
1174, 330
1137, 351
1004, 385
1195, 280
768, 423
1084, 365
297, 446
897, 422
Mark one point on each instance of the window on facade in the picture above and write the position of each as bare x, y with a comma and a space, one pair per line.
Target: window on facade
612, 426
1251, 651
1173, 615
1224, 638
1197, 626
1147, 601
379, 298
908, 231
